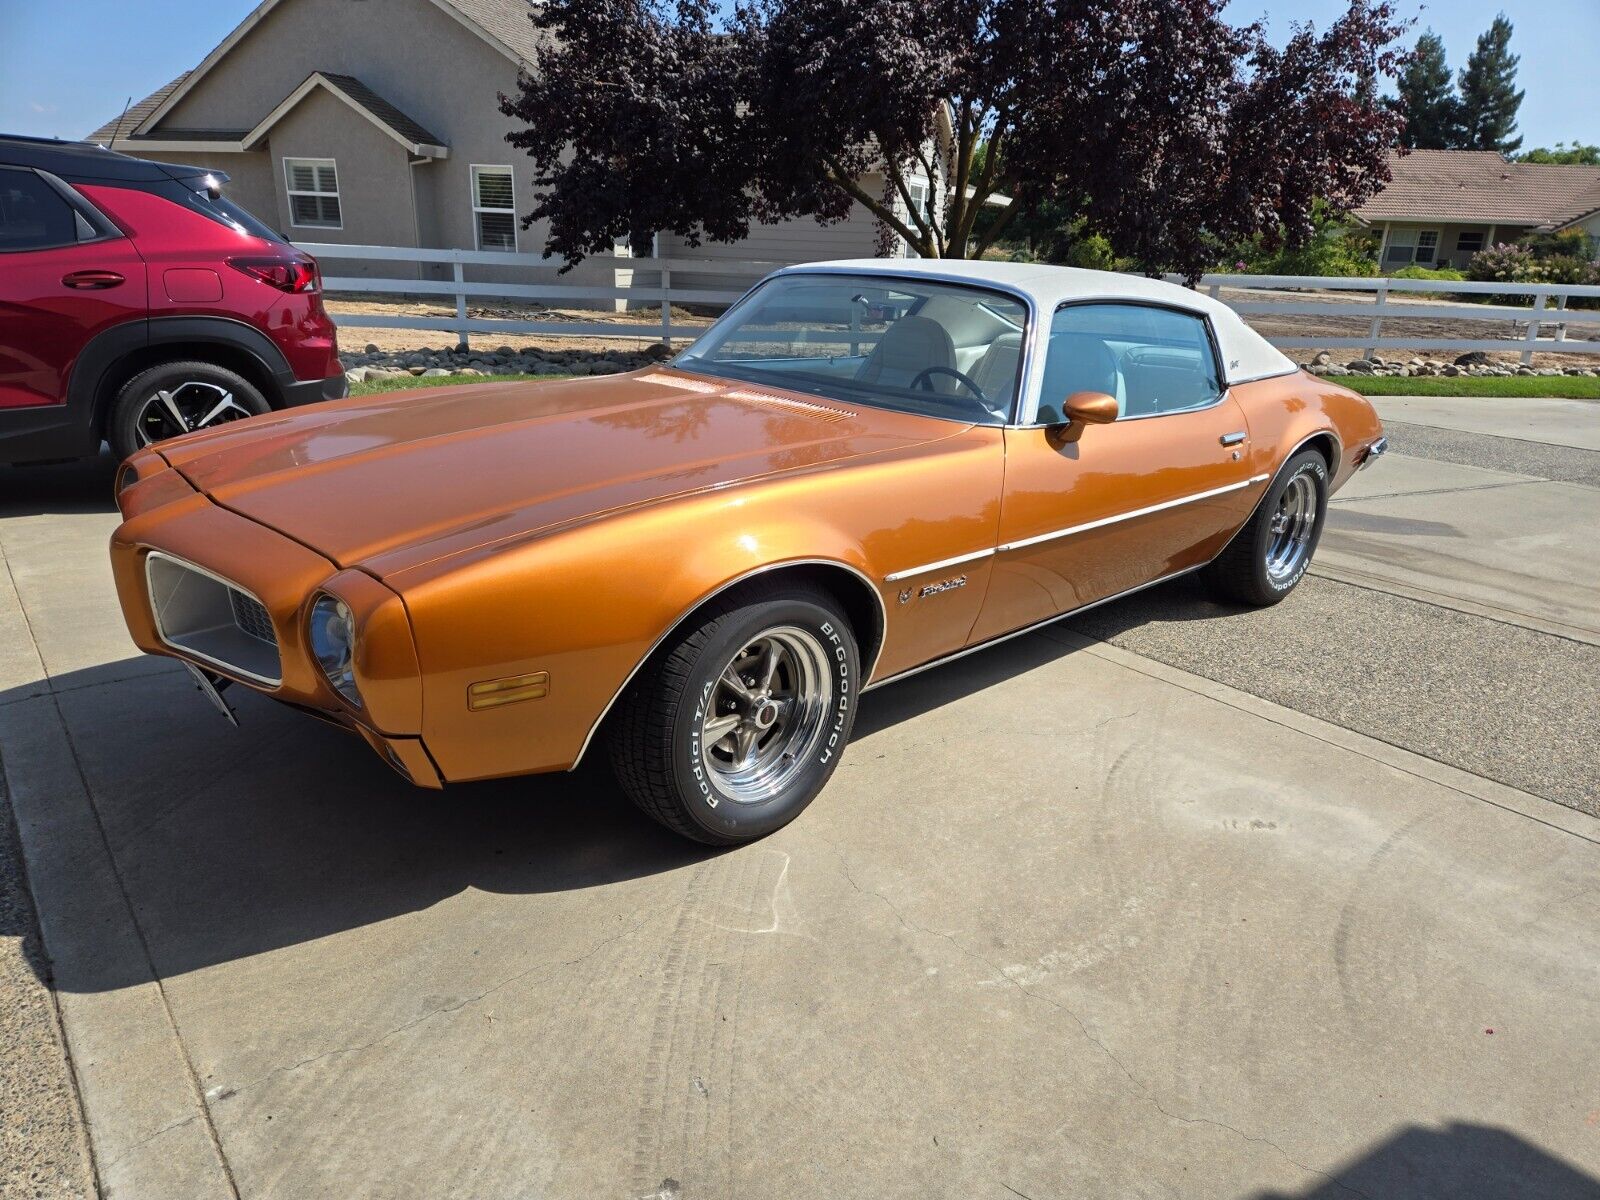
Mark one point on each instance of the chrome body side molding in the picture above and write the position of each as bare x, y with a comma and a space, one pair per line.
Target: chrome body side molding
1016, 633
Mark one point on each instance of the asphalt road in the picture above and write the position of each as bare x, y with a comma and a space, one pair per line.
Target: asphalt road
264, 964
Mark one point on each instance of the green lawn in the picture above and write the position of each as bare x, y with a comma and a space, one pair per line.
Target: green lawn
1571, 387
400, 384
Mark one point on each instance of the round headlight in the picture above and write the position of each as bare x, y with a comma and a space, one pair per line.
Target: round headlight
333, 637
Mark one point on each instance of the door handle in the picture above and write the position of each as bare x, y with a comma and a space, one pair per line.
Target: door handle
92, 280
1232, 439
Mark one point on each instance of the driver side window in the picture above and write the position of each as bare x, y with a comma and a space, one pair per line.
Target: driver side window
1151, 360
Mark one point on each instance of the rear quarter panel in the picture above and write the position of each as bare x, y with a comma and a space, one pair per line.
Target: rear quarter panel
1284, 411
588, 602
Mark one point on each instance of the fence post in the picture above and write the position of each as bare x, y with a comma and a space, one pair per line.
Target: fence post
855, 330
458, 272
1214, 291
666, 305
1533, 330
1377, 316
1561, 306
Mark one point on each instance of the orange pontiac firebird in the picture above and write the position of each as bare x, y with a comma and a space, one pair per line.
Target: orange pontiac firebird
864, 468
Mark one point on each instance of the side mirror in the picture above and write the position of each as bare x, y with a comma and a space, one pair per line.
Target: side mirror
1081, 409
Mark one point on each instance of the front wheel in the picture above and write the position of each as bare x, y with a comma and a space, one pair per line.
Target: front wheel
1271, 554
733, 729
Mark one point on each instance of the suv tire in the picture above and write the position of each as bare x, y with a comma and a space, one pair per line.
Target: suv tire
175, 398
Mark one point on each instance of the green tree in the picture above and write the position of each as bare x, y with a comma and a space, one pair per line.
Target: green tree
1575, 155
1427, 100
1489, 95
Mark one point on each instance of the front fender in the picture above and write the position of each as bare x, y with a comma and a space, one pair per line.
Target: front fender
587, 604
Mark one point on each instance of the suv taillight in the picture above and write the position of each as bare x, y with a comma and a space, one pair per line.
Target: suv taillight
285, 274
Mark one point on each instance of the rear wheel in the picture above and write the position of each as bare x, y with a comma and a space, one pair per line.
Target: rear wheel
1271, 554
735, 728
177, 398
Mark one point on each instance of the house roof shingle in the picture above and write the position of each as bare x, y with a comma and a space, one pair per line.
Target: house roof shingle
1482, 186
382, 110
504, 21
125, 123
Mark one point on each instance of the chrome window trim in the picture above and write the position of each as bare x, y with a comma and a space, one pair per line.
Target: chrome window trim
1030, 335
184, 651
883, 616
1136, 302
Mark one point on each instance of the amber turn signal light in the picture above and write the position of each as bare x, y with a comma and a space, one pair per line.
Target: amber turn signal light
492, 693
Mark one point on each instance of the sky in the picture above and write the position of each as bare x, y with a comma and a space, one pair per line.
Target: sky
68, 66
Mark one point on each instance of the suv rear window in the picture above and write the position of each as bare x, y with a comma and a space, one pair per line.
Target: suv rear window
209, 202
33, 215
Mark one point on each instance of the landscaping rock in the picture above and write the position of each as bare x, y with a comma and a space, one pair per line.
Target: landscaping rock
1359, 366
358, 375
1322, 359
436, 372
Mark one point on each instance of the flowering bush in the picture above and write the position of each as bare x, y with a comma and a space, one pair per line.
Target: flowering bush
1500, 263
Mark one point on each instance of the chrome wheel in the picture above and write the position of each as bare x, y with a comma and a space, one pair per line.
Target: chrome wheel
184, 408
768, 710
1291, 528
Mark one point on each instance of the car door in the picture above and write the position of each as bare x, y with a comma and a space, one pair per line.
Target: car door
1158, 490
66, 274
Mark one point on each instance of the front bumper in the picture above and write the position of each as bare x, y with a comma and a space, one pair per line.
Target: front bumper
314, 391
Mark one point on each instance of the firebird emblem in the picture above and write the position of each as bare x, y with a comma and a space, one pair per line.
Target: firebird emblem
946, 585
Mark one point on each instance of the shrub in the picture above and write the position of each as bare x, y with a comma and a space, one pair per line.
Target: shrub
1439, 274
1500, 263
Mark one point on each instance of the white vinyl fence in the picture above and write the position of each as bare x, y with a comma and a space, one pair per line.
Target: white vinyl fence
1539, 326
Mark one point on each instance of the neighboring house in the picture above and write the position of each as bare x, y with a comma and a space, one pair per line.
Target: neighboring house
377, 122
1443, 206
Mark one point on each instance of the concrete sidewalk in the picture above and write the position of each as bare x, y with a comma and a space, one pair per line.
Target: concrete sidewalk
1066, 923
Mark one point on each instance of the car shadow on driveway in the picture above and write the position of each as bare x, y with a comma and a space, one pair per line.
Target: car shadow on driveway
231, 843
84, 486
234, 842
1460, 1159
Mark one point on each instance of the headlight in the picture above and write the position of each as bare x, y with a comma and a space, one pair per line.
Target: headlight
333, 638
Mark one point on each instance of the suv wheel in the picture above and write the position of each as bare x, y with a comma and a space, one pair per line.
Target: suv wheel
177, 398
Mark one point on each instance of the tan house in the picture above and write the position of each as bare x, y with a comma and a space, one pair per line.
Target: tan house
376, 122
1443, 206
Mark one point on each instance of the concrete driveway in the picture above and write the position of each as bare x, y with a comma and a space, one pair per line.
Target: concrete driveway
1154, 906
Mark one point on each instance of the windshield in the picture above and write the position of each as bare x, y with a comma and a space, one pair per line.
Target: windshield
938, 349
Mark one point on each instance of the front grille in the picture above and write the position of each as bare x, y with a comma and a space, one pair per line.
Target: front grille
209, 619
250, 615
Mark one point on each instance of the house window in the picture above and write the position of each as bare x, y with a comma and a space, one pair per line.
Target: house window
1469, 243
494, 211
313, 185
918, 188
1407, 246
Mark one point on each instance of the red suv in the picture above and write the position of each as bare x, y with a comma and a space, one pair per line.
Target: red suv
137, 303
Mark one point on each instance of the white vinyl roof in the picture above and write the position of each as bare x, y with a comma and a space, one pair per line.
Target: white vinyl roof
1246, 355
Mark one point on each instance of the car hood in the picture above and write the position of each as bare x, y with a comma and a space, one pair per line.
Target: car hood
406, 477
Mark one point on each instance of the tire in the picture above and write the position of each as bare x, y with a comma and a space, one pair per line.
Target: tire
1269, 556
203, 396
786, 737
